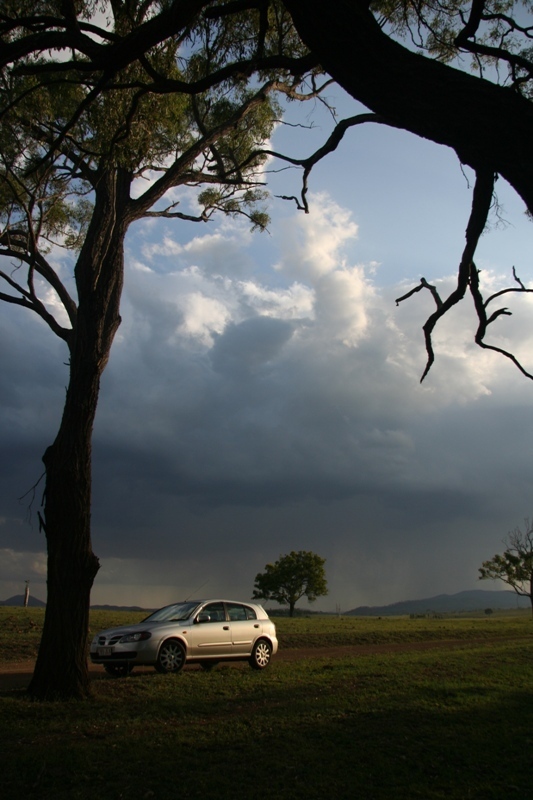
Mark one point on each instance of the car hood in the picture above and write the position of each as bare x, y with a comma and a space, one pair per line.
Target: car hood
141, 626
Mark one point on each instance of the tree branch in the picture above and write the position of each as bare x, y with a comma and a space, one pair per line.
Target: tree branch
481, 306
329, 146
481, 203
177, 174
489, 126
11, 249
56, 33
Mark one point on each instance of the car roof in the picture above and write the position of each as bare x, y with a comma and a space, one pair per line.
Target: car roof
223, 600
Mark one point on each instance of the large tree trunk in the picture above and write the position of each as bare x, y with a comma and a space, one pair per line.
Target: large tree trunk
488, 126
61, 670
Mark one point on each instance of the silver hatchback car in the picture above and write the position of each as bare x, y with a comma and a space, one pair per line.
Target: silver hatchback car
202, 632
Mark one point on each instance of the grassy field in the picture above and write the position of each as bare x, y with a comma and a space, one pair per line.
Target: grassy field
20, 629
452, 723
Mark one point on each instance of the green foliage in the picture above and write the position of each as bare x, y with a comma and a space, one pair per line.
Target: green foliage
299, 574
43, 200
498, 35
60, 130
516, 570
515, 565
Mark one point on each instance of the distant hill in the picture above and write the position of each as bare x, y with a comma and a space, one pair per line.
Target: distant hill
18, 600
118, 608
475, 600
34, 602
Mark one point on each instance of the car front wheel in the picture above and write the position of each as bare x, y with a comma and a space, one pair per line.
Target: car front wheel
171, 657
261, 654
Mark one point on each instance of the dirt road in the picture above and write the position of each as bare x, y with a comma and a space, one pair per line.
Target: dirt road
17, 675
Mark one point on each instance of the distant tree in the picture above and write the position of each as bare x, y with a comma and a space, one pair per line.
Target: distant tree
515, 565
299, 574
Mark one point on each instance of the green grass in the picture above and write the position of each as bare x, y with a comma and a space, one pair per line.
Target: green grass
449, 723
327, 631
20, 629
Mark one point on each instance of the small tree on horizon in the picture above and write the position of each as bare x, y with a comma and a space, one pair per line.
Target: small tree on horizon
515, 565
299, 574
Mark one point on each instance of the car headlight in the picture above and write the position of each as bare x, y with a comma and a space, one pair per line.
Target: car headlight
135, 637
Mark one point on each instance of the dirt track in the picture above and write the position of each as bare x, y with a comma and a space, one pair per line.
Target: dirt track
17, 675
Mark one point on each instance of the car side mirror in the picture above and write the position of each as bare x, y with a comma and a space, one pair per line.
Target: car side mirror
203, 616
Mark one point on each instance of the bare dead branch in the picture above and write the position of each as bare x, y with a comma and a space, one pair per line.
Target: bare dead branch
423, 285
32, 491
480, 306
481, 203
329, 146
484, 322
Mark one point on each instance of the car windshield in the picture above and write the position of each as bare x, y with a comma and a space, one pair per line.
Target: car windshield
177, 611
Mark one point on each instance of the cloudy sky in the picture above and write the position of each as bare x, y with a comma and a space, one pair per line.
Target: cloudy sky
263, 394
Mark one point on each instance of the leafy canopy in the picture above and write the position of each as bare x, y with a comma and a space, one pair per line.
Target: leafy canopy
193, 110
299, 574
493, 33
515, 565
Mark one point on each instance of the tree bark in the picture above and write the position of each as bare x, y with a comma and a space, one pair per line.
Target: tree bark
488, 126
61, 669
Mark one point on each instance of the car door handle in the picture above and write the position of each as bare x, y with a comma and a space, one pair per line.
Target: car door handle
256, 625
225, 628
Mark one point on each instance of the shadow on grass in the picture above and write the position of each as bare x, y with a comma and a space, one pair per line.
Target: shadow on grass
365, 730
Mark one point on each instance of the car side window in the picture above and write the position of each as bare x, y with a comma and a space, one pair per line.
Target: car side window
250, 613
215, 611
236, 612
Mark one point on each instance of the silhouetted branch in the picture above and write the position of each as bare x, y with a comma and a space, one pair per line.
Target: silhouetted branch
484, 322
329, 146
481, 203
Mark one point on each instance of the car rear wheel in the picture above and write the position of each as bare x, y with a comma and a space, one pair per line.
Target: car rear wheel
118, 670
171, 657
261, 654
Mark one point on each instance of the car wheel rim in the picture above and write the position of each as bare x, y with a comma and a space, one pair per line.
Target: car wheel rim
171, 658
262, 655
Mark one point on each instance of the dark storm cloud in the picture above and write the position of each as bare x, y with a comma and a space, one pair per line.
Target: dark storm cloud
237, 422
249, 345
